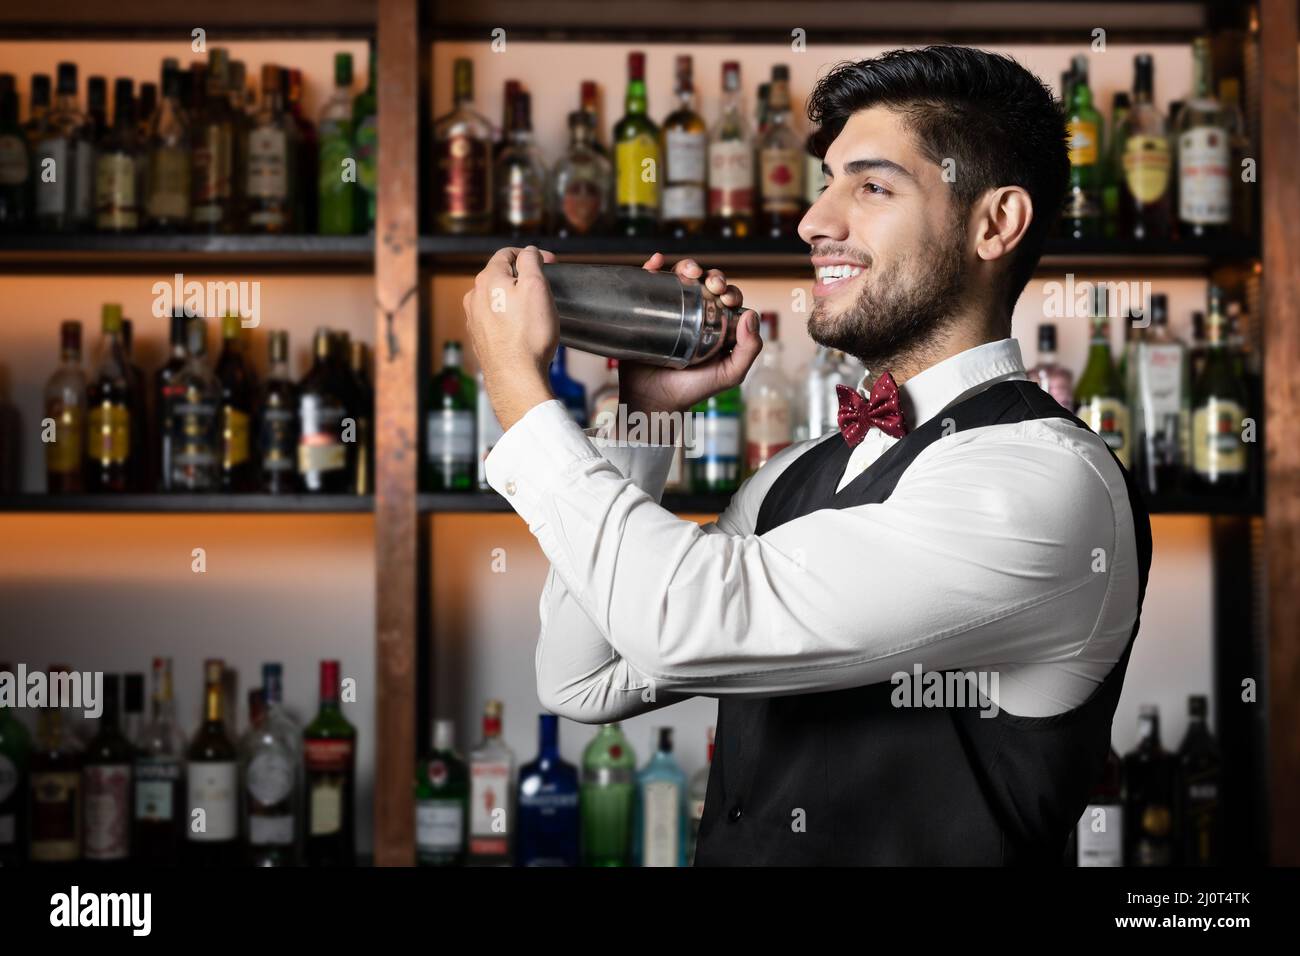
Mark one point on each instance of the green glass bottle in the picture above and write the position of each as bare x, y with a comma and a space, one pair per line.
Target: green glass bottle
1114, 171
329, 760
366, 124
337, 208
608, 798
15, 755
1219, 406
1083, 126
452, 463
441, 801
1099, 396
637, 161
716, 467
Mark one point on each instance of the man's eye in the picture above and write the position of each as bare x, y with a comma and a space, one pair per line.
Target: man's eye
875, 189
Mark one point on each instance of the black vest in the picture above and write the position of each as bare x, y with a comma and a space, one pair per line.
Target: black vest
846, 778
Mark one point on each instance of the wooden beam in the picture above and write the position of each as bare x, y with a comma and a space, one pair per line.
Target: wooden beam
397, 415
1279, 147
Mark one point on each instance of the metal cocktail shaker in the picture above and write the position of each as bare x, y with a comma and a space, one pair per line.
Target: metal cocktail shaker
627, 313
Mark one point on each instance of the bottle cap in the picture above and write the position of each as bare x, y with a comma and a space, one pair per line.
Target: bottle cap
1047, 337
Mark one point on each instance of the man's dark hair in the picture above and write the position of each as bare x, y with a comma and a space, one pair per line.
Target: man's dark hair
996, 120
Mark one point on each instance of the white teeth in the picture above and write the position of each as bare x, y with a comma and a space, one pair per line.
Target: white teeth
831, 274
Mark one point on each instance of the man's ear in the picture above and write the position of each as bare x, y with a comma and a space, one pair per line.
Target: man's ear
1001, 219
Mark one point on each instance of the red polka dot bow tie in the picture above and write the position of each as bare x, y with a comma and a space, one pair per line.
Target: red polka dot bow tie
881, 410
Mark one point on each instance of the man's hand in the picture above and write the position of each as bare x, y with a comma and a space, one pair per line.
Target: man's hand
649, 388
514, 330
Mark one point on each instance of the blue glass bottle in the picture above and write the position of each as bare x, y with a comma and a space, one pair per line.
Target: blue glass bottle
568, 390
548, 804
661, 819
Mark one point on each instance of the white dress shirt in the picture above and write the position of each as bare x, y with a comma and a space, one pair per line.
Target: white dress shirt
1006, 548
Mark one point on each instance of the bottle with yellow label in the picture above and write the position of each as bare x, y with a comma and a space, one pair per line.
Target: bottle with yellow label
1145, 163
637, 159
1219, 413
64, 429
108, 410
1082, 218
238, 396
1099, 396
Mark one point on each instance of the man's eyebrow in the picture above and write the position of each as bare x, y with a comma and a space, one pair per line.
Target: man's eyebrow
864, 165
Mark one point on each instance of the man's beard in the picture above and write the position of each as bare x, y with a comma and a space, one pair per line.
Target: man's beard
897, 315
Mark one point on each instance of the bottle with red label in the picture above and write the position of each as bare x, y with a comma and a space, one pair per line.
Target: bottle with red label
769, 401
106, 783
329, 757
463, 160
491, 810
781, 162
731, 163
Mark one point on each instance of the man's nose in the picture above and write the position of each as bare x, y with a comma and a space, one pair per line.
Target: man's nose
824, 220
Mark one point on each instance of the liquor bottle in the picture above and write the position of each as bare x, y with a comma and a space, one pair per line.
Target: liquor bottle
604, 401
214, 205
38, 108
589, 97
106, 784
769, 401
212, 782
567, 389
716, 470
637, 158
277, 432
685, 151
337, 203
699, 790
15, 758
365, 127
760, 108
1161, 395
509, 91
1052, 377
731, 163
269, 770
117, 170
1099, 396
64, 169
491, 787
167, 164
662, 827
1144, 199
271, 186
147, 103
441, 801
238, 398
548, 803
608, 798
1082, 218
520, 176
138, 410
487, 429
15, 163
816, 416
780, 160
108, 416
65, 410
363, 465
158, 830
191, 416
1198, 812
1219, 401
463, 160
450, 424
329, 752
1113, 172
308, 159
96, 107
580, 182
1149, 773
238, 94
1098, 838
55, 787
1244, 193
322, 456
1204, 152
132, 708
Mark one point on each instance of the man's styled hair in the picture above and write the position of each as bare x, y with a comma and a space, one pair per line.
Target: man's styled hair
997, 121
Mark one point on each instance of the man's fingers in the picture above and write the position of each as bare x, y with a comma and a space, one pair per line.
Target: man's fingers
688, 268
548, 256
654, 263
749, 343
732, 298
528, 264
715, 282
500, 269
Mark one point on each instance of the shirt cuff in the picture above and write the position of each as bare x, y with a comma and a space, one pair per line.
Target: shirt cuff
536, 452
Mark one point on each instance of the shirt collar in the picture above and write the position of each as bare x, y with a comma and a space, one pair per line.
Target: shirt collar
956, 378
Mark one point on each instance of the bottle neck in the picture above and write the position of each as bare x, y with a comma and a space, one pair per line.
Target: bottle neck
212, 704
635, 103
548, 743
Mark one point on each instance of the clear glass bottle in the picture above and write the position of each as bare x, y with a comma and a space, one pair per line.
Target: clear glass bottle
520, 176
769, 401
548, 827
158, 830
685, 151
64, 198
117, 167
195, 419
731, 163
608, 798
441, 801
1204, 154
815, 419
491, 802
463, 160
269, 760
65, 406
1160, 395
780, 160
1244, 193
663, 826
487, 429
580, 183
1145, 160
337, 206
1052, 377
637, 158
450, 424
167, 165
272, 163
